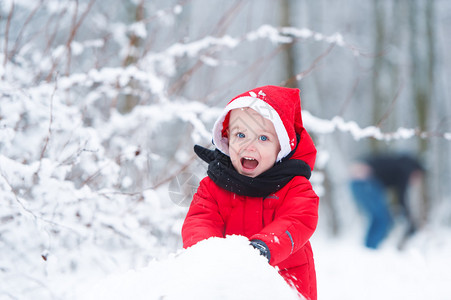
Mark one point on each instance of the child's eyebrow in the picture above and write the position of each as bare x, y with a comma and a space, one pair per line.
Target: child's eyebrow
234, 128
267, 133
264, 129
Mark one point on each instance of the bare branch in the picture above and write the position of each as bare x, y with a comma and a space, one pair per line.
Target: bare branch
16, 197
8, 24
22, 29
47, 139
390, 109
312, 67
180, 170
227, 17
74, 29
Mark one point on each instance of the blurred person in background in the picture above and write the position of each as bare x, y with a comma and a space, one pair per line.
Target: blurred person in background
376, 178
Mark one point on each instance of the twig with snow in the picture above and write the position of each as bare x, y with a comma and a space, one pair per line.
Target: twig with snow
322, 126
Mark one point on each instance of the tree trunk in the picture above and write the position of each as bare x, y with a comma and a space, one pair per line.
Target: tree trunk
422, 60
289, 55
128, 101
377, 87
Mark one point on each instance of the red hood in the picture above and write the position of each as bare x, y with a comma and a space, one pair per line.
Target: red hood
306, 150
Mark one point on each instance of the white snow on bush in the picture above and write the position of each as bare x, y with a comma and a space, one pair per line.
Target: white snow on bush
216, 268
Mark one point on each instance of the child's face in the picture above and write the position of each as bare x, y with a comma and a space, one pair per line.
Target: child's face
253, 142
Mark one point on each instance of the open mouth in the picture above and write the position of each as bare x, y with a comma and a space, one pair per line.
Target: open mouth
249, 163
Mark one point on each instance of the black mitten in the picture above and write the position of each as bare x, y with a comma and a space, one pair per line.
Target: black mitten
261, 246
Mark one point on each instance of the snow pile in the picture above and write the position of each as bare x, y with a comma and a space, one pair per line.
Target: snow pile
216, 268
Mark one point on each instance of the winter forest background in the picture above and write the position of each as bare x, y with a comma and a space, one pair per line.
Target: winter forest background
102, 102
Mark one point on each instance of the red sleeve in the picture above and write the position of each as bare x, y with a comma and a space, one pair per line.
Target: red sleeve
203, 219
294, 224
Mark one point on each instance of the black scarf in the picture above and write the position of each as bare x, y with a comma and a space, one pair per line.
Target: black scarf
222, 172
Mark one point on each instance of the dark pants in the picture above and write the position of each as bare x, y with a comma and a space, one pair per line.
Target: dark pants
370, 197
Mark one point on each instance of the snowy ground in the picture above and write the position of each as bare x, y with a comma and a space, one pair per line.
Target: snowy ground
230, 269
347, 270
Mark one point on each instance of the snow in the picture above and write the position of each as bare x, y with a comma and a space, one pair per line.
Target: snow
178, 9
230, 269
265, 31
139, 29
347, 270
216, 268
315, 124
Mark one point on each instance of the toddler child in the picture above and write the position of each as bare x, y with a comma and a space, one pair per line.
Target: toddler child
258, 183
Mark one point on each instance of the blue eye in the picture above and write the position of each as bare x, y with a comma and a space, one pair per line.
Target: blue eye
240, 135
263, 138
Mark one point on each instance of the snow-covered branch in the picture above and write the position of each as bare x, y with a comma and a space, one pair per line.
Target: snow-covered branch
277, 35
324, 126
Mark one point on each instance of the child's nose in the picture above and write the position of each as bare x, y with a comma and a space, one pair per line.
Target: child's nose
250, 145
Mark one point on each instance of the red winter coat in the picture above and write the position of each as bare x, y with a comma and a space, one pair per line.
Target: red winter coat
285, 221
